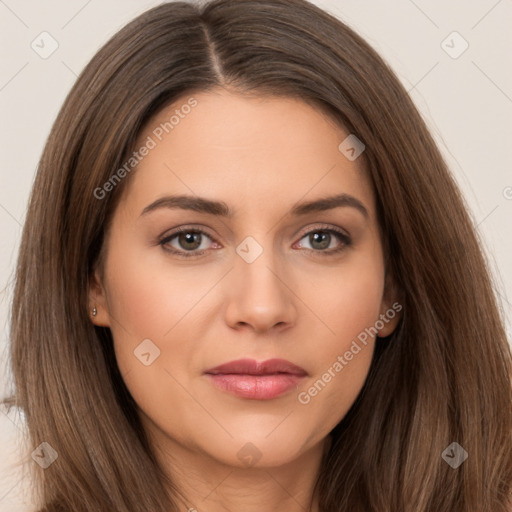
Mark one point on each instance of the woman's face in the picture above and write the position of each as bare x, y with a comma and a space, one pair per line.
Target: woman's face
279, 257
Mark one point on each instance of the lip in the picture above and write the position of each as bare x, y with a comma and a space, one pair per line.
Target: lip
253, 367
248, 378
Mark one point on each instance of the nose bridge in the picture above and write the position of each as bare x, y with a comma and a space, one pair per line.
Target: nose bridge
258, 295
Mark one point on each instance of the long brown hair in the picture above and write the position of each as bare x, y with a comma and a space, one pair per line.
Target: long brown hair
443, 376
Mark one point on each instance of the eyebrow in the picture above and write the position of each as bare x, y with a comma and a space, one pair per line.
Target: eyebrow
221, 209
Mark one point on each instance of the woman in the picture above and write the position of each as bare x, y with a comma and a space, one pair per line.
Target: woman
247, 280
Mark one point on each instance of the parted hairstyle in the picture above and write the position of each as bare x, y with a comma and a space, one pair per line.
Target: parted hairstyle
443, 376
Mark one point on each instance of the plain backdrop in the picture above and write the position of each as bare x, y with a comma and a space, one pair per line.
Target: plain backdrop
453, 58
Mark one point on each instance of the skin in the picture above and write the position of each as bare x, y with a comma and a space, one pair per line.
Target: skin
260, 156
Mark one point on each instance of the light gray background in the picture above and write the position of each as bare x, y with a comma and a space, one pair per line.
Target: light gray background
466, 101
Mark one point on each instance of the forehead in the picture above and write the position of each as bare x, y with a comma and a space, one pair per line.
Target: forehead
245, 150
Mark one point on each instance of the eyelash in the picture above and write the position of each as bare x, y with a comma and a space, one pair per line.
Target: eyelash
343, 237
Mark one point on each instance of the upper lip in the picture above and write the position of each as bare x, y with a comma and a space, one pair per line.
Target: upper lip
253, 367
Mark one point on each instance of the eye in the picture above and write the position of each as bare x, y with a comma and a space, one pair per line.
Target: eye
187, 242
321, 240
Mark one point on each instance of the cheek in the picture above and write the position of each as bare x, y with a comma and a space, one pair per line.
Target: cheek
149, 299
346, 299
147, 296
138, 309
348, 303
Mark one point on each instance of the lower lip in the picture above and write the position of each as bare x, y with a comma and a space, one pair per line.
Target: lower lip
255, 387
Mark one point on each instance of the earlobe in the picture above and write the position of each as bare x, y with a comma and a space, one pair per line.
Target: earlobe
98, 306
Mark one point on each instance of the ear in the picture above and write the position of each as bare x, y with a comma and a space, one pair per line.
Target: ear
98, 300
390, 308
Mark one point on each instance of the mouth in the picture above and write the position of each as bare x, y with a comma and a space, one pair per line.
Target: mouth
247, 378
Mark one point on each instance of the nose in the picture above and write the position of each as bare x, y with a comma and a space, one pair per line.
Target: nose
260, 297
